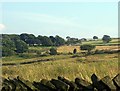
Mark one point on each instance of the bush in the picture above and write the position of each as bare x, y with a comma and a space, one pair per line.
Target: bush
21, 46
7, 52
106, 39
53, 51
87, 47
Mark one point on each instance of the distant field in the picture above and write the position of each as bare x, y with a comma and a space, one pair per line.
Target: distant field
100, 42
100, 64
67, 49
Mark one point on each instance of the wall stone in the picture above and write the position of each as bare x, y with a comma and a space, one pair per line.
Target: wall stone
62, 84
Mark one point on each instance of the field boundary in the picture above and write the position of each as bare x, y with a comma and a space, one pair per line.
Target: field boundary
63, 84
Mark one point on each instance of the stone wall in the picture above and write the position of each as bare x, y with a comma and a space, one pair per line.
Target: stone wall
62, 84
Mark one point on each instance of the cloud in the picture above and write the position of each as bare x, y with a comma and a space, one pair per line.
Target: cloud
2, 26
51, 20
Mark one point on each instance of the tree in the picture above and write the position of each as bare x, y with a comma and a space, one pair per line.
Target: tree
59, 41
24, 37
53, 40
7, 42
31, 39
21, 46
87, 47
37, 41
8, 45
7, 52
106, 39
68, 37
83, 39
95, 37
46, 41
74, 51
14, 37
53, 51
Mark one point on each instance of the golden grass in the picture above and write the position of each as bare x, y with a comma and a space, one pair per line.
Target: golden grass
106, 47
67, 49
69, 68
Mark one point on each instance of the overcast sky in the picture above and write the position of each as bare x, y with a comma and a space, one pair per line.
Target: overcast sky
78, 19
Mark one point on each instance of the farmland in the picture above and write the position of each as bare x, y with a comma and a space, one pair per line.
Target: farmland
70, 67
63, 64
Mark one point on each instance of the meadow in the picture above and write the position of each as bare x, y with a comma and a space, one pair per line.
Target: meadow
63, 64
100, 64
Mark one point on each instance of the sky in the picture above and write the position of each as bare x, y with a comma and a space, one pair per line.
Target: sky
74, 19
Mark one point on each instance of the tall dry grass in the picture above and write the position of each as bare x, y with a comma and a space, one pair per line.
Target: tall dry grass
69, 68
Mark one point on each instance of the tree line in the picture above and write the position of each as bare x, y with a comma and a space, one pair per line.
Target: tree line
14, 43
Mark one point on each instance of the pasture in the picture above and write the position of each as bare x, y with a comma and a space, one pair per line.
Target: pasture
100, 64
67, 49
62, 64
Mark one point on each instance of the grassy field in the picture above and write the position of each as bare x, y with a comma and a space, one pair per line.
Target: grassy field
100, 42
17, 60
100, 64
63, 64
67, 49
62, 49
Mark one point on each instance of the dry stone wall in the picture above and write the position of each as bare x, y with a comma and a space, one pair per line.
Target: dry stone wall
62, 84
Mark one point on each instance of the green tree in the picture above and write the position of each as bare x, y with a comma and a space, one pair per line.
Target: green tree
106, 39
7, 42
8, 45
24, 37
37, 41
59, 41
73, 41
46, 41
31, 40
28, 38
21, 46
53, 40
95, 37
53, 51
7, 52
14, 37
87, 47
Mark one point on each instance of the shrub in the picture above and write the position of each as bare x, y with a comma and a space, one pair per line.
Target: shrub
106, 39
7, 52
21, 46
53, 51
87, 47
